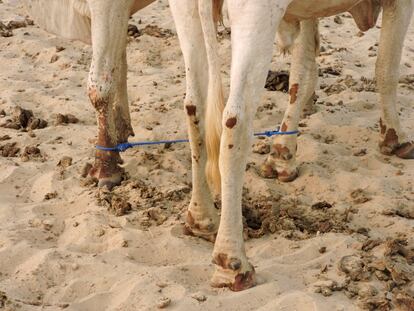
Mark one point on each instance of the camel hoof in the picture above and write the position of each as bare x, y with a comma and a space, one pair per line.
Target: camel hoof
267, 171
387, 151
106, 169
405, 151
285, 176
208, 236
110, 182
235, 280
206, 230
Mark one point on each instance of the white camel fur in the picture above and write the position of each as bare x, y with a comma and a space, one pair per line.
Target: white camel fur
221, 135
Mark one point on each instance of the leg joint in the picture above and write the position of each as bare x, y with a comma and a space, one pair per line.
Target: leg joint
100, 92
232, 118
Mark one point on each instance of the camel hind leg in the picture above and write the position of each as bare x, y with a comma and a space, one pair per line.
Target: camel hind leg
202, 216
281, 162
396, 20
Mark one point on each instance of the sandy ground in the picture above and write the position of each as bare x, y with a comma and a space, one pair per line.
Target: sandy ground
338, 238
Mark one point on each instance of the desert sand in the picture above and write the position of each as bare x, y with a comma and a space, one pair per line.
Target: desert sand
340, 237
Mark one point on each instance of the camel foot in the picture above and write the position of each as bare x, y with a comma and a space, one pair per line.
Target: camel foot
268, 171
205, 228
236, 274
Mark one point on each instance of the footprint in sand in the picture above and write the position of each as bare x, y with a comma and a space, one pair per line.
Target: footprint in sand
299, 301
295, 301
41, 186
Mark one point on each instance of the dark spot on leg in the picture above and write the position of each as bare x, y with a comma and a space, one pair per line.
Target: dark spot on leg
231, 146
391, 138
191, 110
190, 219
187, 230
293, 92
390, 143
191, 222
284, 127
231, 122
220, 260
281, 152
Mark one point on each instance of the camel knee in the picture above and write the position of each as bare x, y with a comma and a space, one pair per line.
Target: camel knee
101, 92
235, 129
232, 120
190, 108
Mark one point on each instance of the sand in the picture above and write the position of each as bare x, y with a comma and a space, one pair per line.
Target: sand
62, 245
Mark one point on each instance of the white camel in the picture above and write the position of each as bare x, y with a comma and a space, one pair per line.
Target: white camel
221, 136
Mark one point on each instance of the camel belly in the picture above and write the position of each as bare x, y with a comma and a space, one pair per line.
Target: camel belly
140, 4
305, 9
365, 12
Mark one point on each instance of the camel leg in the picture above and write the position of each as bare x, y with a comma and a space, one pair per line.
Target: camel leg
202, 216
122, 115
107, 75
253, 28
396, 19
281, 162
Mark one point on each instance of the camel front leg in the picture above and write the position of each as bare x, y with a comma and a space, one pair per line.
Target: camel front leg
107, 85
396, 19
253, 26
281, 162
202, 216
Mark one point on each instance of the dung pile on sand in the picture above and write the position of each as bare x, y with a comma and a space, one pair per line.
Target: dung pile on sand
378, 277
265, 215
153, 205
23, 119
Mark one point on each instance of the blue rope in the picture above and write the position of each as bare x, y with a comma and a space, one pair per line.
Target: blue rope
125, 146
277, 132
